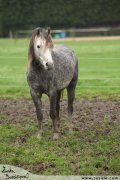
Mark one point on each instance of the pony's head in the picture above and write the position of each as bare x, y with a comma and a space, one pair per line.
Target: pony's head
41, 46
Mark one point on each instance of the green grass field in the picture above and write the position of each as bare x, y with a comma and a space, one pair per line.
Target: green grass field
99, 63
94, 148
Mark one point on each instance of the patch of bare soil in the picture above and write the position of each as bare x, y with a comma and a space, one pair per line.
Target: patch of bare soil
86, 112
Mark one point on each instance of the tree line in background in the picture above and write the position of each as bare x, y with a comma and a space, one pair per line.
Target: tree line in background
27, 14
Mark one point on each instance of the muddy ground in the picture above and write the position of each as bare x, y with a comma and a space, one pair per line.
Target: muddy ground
86, 113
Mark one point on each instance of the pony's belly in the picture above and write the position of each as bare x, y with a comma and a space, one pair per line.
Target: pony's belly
62, 85
64, 78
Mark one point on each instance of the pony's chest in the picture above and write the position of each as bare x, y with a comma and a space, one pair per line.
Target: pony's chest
44, 84
40, 82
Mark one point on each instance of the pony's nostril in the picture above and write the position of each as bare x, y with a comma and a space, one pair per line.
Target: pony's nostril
38, 46
47, 64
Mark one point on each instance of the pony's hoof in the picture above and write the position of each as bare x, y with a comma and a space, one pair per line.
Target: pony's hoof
39, 135
56, 136
70, 130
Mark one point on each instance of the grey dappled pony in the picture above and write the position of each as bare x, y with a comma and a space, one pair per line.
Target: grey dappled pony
51, 69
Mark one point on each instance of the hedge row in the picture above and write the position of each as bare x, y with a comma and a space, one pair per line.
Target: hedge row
27, 14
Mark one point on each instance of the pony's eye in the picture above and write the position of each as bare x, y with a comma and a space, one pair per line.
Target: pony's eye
38, 46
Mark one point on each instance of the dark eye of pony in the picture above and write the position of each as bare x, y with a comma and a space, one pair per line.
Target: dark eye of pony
38, 46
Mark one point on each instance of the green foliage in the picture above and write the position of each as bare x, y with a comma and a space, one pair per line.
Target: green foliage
20, 14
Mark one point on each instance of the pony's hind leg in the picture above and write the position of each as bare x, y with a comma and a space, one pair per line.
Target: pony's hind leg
53, 113
71, 97
38, 105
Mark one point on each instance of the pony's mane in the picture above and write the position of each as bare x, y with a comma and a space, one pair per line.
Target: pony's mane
36, 32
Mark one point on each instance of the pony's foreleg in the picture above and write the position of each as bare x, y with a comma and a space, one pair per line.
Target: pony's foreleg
53, 113
58, 107
71, 97
38, 104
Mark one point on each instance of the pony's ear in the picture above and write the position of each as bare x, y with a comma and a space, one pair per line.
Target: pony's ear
49, 30
38, 31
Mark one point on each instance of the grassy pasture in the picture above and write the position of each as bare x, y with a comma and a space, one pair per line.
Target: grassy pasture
93, 149
99, 63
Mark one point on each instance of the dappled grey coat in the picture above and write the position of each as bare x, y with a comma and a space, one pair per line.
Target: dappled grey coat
65, 69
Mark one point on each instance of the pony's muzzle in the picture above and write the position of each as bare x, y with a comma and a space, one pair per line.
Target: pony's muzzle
49, 65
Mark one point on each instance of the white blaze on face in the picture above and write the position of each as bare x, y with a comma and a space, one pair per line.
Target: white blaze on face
42, 53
